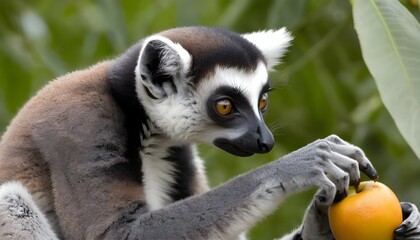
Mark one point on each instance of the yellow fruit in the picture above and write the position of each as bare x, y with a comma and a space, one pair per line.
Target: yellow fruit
372, 213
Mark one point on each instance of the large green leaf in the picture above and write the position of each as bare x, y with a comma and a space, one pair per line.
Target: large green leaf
390, 40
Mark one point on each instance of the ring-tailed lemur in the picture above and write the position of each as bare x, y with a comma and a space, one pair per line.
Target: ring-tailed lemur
108, 152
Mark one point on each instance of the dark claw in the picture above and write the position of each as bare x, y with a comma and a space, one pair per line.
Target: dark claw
355, 183
401, 229
339, 196
322, 199
370, 172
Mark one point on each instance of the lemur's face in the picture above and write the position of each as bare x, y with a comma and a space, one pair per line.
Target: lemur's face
224, 110
214, 94
234, 102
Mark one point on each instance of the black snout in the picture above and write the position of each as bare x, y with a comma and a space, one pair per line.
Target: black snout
259, 140
263, 146
265, 141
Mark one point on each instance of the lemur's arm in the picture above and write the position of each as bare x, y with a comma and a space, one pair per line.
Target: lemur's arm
218, 213
98, 196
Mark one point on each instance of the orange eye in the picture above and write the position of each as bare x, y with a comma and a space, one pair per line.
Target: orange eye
262, 105
223, 107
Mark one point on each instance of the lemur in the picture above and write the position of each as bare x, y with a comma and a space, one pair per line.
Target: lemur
109, 152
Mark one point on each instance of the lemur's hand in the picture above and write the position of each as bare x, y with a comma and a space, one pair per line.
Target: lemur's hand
410, 228
331, 164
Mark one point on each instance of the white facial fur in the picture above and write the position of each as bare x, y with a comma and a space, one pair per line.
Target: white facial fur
250, 84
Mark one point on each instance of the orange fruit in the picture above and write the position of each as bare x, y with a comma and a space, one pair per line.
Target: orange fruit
371, 213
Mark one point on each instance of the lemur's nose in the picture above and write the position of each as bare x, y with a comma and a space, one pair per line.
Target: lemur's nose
262, 146
265, 140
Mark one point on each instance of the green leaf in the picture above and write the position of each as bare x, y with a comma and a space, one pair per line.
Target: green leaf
390, 40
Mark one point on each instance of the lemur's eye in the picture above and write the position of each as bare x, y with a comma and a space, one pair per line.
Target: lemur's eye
223, 107
262, 105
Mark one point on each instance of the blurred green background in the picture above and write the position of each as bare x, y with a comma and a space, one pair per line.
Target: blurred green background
323, 86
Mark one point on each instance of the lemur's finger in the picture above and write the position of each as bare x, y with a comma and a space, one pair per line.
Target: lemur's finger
319, 201
407, 234
336, 139
411, 223
357, 154
328, 188
407, 210
339, 177
348, 165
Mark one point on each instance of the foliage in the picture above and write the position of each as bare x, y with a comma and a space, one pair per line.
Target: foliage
324, 86
390, 37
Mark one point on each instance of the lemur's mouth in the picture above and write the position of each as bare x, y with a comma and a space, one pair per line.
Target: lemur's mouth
232, 147
240, 153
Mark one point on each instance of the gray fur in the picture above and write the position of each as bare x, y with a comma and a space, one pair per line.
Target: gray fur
20, 218
94, 149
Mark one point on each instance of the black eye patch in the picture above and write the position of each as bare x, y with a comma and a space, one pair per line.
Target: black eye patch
241, 107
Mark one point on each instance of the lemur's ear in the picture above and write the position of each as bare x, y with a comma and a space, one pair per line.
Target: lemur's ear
272, 43
161, 63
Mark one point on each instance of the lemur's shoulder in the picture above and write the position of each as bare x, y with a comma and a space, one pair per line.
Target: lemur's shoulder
64, 91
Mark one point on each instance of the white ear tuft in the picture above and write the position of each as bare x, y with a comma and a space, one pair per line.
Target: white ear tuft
272, 43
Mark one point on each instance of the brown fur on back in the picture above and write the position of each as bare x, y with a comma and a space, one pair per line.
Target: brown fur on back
20, 156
